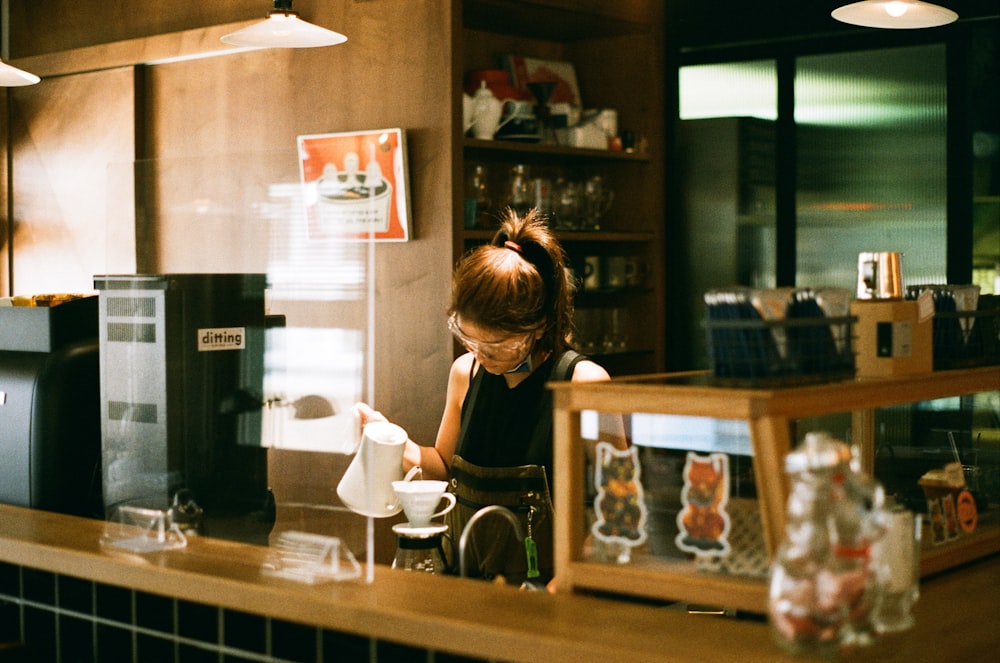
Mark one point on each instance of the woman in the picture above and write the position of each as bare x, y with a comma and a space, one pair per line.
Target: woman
512, 311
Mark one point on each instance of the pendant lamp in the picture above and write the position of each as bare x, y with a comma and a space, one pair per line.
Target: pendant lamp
14, 77
284, 29
894, 14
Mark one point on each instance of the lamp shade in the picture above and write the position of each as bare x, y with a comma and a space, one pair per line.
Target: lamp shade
284, 29
894, 14
14, 77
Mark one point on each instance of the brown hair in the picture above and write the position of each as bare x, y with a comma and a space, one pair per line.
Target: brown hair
517, 282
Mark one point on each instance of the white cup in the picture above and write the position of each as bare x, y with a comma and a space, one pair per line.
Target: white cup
615, 272
592, 278
421, 498
897, 568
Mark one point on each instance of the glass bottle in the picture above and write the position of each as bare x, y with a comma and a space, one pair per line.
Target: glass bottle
519, 194
597, 200
477, 198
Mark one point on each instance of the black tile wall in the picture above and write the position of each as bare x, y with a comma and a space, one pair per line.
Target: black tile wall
62, 619
76, 595
76, 639
114, 603
198, 622
154, 612
10, 621
39, 586
114, 643
244, 631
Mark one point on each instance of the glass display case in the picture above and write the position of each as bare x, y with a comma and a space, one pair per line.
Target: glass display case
695, 509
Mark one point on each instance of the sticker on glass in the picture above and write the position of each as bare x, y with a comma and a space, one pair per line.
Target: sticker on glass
619, 506
703, 521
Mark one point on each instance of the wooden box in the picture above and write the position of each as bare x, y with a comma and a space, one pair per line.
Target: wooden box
892, 338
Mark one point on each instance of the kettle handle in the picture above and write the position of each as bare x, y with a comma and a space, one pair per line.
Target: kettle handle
505, 121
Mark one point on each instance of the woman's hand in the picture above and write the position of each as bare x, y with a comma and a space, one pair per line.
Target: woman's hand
366, 414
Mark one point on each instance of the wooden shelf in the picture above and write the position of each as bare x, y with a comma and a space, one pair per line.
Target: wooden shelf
597, 37
572, 236
514, 148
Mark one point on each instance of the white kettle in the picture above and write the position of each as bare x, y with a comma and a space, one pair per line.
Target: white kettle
366, 486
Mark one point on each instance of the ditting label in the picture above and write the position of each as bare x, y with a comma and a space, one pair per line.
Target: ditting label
221, 338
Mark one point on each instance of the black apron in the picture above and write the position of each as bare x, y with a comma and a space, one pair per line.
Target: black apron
504, 457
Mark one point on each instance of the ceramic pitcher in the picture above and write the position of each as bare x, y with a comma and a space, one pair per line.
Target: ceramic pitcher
366, 486
879, 275
486, 112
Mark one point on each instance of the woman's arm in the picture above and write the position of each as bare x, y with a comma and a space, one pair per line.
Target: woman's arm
610, 427
435, 461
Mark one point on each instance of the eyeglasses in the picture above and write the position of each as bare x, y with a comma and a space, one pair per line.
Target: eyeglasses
511, 350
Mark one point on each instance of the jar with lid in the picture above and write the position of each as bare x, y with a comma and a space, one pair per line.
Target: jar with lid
822, 583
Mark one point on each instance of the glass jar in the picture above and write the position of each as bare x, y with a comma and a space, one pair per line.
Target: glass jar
822, 583
566, 205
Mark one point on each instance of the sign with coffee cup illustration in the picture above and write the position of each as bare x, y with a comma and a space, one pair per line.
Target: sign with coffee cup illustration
355, 185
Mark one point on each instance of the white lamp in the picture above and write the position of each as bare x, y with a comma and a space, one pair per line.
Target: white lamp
14, 77
284, 29
894, 14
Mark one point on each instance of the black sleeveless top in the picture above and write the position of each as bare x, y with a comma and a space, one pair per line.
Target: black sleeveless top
505, 427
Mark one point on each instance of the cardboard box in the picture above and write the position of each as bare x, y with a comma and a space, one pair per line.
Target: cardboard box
892, 337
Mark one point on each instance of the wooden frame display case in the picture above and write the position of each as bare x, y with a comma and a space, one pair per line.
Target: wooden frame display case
762, 426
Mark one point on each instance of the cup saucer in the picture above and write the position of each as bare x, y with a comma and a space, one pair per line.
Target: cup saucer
404, 529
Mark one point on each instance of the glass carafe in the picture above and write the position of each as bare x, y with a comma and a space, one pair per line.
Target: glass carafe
422, 552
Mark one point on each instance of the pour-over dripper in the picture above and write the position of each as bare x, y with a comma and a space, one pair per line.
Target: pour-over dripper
542, 91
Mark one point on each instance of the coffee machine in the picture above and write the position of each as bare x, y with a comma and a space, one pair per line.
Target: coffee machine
182, 364
50, 440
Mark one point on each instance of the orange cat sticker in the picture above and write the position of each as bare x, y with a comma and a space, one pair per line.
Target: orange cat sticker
703, 521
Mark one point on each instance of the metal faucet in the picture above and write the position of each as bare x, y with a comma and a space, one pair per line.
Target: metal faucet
464, 538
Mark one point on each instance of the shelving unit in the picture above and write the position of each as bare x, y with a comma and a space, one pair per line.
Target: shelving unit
604, 41
770, 415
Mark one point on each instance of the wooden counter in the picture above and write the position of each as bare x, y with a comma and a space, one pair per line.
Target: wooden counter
955, 615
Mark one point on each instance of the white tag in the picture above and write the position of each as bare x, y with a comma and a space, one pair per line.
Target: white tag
925, 306
222, 338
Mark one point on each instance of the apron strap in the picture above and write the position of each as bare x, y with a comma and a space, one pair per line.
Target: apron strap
561, 372
563, 369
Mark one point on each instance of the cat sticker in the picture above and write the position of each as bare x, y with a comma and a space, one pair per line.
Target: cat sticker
703, 522
619, 506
